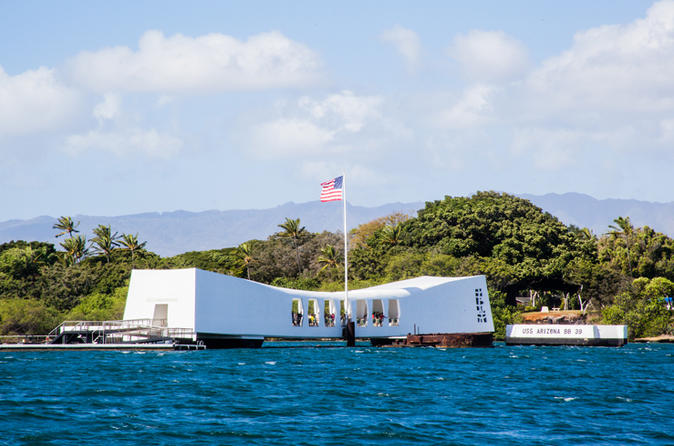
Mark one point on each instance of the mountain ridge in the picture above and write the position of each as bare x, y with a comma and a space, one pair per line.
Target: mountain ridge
597, 214
173, 232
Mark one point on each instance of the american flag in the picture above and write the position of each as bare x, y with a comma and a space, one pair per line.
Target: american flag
332, 190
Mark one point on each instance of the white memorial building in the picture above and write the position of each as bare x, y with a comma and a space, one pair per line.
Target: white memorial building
225, 311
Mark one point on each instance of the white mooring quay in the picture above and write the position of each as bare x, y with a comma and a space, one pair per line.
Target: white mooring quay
561, 334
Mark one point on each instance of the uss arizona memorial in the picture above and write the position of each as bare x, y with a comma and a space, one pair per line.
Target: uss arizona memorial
225, 311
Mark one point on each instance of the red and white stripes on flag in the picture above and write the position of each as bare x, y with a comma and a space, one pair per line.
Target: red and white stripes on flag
332, 190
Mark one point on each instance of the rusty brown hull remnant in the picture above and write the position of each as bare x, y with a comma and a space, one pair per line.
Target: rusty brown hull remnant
442, 340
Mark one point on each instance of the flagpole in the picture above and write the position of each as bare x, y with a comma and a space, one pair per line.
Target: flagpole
347, 309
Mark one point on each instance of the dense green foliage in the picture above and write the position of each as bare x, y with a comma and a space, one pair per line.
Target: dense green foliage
622, 276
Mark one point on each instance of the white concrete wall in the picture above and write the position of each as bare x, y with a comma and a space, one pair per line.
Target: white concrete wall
445, 308
611, 331
230, 305
172, 287
219, 304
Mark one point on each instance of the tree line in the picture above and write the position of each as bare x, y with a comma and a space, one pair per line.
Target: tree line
622, 276
104, 242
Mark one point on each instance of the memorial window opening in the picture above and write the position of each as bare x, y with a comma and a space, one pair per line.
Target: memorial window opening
313, 312
361, 313
297, 312
393, 312
378, 313
329, 313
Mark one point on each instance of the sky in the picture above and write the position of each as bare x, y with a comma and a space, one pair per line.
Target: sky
114, 108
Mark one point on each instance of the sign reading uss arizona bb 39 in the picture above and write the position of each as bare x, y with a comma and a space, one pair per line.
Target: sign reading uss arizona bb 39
566, 334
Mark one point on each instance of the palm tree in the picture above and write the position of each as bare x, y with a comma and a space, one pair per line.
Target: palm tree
130, 243
586, 234
66, 226
104, 242
39, 256
292, 229
328, 257
391, 235
75, 248
623, 228
245, 252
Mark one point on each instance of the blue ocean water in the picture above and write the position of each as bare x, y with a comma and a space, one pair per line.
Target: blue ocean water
363, 395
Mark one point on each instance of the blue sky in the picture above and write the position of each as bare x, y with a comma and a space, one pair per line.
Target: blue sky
110, 108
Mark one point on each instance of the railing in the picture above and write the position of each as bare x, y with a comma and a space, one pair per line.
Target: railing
124, 331
106, 325
24, 339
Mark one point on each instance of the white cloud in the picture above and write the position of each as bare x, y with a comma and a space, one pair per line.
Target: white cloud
283, 137
35, 101
667, 131
446, 152
472, 109
356, 173
314, 127
212, 62
121, 133
108, 109
564, 115
319, 169
613, 68
489, 56
548, 149
348, 111
164, 100
406, 42
125, 143
365, 175
609, 96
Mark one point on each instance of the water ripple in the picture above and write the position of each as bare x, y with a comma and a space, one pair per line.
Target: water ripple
503, 395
